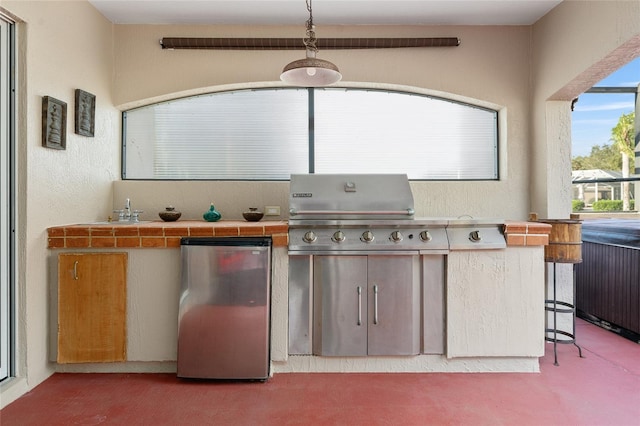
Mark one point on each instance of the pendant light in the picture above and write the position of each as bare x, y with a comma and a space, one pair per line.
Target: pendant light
310, 71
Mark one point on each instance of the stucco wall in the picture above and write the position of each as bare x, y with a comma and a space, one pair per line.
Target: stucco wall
62, 46
490, 67
66, 45
574, 46
496, 57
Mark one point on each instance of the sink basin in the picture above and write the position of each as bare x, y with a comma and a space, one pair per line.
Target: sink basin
118, 223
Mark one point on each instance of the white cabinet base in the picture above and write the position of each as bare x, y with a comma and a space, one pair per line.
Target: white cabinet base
495, 303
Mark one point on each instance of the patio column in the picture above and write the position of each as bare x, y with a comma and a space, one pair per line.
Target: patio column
581, 192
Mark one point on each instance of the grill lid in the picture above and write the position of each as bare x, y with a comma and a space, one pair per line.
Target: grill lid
350, 196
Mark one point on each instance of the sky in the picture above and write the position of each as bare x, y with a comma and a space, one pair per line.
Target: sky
594, 114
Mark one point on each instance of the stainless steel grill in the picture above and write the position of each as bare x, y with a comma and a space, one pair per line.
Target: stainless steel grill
365, 276
358, 213
375, 212
350, 197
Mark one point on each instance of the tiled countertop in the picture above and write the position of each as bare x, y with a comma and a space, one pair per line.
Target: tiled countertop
160, 234
526, 233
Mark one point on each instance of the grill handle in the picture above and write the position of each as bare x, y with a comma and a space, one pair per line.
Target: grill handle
359, 305
375, 304
407, 212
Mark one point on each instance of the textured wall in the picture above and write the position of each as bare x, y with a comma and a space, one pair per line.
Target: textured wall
68, 45
62, 46
495, 301
490, 67
574, 46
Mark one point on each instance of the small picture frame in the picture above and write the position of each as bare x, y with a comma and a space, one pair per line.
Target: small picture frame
54, 123
85, 113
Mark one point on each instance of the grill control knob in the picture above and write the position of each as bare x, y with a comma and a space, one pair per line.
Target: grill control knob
338, 236
367, 236
475, 236
309, 237
396, 236
425, 236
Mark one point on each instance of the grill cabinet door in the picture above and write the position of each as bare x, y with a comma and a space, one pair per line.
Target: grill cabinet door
394, 305
340, 305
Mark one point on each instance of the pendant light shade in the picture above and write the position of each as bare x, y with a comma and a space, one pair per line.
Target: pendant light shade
310, 71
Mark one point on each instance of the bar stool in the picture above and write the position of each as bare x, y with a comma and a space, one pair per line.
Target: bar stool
565, 246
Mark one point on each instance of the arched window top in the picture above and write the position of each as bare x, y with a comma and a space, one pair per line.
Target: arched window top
268, 134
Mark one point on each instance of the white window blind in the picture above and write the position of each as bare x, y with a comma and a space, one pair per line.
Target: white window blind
269, 134
360, 131
239, 135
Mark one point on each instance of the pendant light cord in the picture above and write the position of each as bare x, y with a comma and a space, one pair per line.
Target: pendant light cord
310, 71
310, 41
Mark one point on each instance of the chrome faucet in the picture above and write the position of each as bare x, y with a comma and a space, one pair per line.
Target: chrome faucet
128, 215
127, 209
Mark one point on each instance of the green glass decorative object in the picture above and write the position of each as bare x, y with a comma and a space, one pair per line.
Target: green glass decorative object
212, 215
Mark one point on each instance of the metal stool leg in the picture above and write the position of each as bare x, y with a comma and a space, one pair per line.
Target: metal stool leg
574, 312
555, 319
566, 308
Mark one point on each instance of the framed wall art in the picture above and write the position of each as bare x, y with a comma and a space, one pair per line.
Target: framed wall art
54, 123
85, 113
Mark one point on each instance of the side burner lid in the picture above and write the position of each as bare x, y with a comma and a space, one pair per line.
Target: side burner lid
350, 196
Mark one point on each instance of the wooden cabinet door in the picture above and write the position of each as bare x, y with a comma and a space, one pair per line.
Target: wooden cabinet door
92, 304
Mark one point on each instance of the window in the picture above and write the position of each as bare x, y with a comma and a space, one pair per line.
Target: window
268, 134
6, 196
605, 169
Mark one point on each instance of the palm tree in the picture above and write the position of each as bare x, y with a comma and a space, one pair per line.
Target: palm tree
623, 139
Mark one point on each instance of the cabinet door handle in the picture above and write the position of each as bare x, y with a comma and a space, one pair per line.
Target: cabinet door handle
75, 270
375, 304
359, 305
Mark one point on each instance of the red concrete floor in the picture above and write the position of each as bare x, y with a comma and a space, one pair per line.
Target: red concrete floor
601, 389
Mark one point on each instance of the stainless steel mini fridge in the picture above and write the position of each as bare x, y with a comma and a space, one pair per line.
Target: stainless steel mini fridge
223, 320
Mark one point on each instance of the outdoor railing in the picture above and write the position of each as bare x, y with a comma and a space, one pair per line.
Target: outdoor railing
590, 191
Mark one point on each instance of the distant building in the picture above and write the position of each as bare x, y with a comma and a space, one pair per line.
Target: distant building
591, 192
